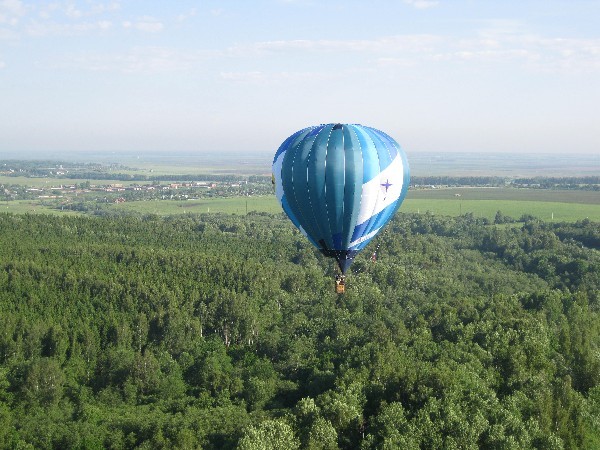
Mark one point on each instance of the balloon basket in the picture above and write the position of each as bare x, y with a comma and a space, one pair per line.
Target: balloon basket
340, 284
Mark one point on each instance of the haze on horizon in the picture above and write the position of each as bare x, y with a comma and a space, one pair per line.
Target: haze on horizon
437, 75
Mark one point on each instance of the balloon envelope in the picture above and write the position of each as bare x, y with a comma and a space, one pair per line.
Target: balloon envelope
340, 184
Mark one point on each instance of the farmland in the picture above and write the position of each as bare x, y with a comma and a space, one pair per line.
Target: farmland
548, 205
568, 206
238, 184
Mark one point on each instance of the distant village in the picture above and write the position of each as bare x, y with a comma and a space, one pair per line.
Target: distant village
90, 185
114, 183
75, 189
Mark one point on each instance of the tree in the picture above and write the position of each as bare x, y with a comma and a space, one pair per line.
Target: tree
269, 435
391, 429
44, 381
321, 436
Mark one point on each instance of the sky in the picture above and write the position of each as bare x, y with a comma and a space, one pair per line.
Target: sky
518, 76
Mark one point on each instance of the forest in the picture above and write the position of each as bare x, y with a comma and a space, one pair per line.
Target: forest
218, 331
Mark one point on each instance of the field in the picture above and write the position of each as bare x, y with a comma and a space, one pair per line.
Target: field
503, 164
259, 162
537, 195
234, 205
30, 207
548, 205
547, 211
56, 182
214, 164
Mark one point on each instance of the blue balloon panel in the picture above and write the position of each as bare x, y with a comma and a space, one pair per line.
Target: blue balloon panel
340, 184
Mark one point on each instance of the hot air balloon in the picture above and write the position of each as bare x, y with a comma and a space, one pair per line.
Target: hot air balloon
340, 184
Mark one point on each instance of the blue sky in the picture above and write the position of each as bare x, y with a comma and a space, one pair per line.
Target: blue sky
233, 75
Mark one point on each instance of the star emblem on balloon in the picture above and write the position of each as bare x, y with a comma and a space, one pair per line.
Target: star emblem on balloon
386, 185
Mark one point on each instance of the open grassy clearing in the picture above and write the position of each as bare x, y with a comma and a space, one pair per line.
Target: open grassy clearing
503, 164
547, 211
151, 170
417, 201
31, 207
199, 163
56, 182
234, 205
492, 193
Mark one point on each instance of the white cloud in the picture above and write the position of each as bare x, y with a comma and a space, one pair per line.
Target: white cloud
500, 46
395, 62
8, 34
11, 11
93, 9
155, 59
260, 77
45, 28
46, 11
54, 18
146, 24
422, 4
571, 54
136, 60
72, 12
507, 42
409, 43
75, 11
101, 8
187, 15
104, 24
252, 76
